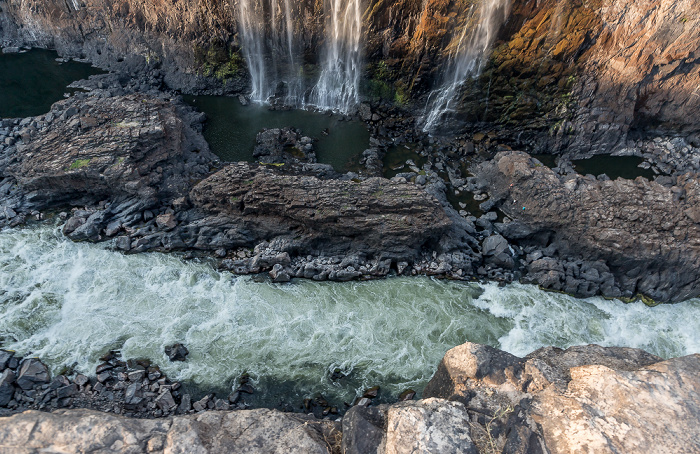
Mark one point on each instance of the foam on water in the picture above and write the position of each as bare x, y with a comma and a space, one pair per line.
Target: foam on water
68, 303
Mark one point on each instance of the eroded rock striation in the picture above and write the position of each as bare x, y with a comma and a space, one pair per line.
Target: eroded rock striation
629, 236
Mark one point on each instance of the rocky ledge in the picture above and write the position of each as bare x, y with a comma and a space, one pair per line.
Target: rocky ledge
586, 235
481, 400
136, 171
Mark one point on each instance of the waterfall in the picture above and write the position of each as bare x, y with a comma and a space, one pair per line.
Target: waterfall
467, 57
271, 55
250, 15
285, 52
338, 85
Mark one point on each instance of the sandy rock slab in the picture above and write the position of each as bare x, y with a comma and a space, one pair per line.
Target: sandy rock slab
586, 399
87, 431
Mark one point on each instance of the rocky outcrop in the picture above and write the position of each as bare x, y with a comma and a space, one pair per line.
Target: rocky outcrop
583, 399
138, 172
125, 154
250, 431
371, 215
630, 236
480, 400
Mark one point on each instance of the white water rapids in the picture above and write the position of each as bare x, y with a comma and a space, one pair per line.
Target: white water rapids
68, 303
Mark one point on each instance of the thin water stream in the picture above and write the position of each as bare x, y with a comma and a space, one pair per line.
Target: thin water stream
467, 57
69, 303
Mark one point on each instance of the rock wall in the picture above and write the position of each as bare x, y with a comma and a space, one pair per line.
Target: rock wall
585, 76
630, 236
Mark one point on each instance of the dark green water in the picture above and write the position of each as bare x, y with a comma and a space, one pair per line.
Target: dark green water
231, 129
613, 166
31, 81
547, 159
396, 157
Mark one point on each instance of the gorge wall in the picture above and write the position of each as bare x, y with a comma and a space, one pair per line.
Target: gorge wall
585, 76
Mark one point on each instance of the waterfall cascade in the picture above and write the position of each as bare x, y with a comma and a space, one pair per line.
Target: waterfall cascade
285, 51
338, 85
271, 49
467, 57
252, 34
273, 52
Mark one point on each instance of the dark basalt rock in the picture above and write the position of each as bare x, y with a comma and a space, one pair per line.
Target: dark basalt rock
32, 372
616, 238
177, 352
140, 174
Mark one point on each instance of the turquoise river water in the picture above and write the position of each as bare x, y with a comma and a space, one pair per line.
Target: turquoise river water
69, 303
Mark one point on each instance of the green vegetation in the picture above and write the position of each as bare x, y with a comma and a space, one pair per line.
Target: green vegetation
640, 297
79, 163
218, 61
401, 97
382, 84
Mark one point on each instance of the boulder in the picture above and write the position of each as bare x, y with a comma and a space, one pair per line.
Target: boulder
177, 352
32, 372
583, 399
428, 426
364, 429
7, 390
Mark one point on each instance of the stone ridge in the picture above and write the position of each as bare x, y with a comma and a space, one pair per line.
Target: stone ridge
644, 233
381, 214
250, 431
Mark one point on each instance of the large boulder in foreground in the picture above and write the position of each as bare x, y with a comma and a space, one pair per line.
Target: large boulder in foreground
584, 399
249, 431
636, 236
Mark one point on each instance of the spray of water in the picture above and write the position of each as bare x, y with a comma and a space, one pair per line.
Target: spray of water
271, 49
69, 303
467, 57
252, 29
338, 86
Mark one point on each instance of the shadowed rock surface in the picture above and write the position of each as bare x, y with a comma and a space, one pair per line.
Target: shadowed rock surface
637, 236
346, 216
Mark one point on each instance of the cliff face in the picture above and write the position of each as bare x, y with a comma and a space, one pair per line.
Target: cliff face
562, 74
